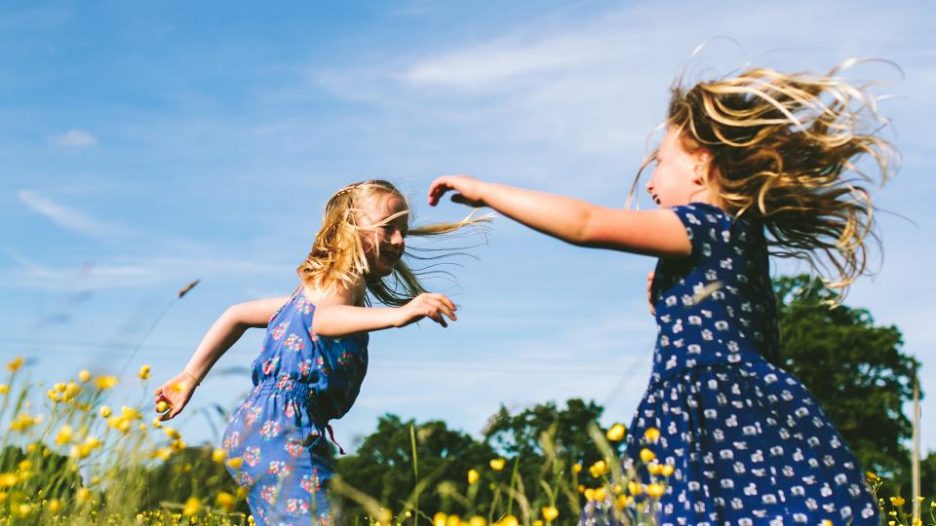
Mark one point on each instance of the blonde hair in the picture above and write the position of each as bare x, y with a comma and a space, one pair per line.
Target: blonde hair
783, 148
337, 257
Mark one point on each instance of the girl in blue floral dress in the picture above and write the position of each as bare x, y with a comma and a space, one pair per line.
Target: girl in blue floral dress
314, 354
763, 159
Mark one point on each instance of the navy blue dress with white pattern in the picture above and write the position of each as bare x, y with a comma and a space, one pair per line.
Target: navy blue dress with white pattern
748, 443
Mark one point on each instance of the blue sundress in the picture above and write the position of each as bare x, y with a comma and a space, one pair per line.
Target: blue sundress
748, 443
301, 381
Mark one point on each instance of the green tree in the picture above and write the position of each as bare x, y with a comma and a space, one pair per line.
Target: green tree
854, 367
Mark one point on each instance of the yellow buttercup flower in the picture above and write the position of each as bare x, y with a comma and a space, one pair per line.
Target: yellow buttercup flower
655, 490
477, 521
652, 434
4, 389
439, 519
647, 455
64, 435
83, 495
598, 468
668, 470
106, 382
616, 433
84, 375
54, 506
15, 364
550, 513
897, 501
576, 468
192, 506
497, 464
105, 411
225, 500
218, 455
473, 476
144, 372
235, 463
161, 406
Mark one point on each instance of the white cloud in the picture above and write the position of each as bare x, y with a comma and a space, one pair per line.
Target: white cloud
75, 138
68, 218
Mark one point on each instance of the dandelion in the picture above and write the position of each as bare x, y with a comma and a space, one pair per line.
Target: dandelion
473, 476
616, 433
106, 382
15, 364
497, 464
144, 372
550, 513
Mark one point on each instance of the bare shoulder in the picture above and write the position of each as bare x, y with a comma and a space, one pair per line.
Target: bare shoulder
257, 313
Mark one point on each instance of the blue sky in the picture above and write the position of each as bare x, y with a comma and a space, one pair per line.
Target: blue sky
146, 144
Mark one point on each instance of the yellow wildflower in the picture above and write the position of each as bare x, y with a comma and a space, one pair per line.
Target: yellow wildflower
601, 494
655, 490
473, 476
668, 470
497, 464
64, 435
4, 389
192, 506
477, 521
83, 496
8, 480
218, 455
84, 375
105, 411
576, 468
550, 513
646, 455
144, 372
225, 500
598, 468
54, 506
235, 463
161, 406
106, 382
897, 501
15, 364
652, 434
616, 433
439, 519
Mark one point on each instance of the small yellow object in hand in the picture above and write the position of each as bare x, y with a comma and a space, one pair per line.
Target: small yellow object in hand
161, 406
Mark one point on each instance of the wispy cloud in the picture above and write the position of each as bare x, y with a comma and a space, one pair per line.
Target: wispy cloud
69, 218
75, 138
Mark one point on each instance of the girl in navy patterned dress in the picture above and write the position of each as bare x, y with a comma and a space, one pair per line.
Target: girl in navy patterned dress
314, 354
749, 162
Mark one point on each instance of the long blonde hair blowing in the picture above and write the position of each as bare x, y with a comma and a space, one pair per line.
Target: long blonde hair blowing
337, 256
784, 148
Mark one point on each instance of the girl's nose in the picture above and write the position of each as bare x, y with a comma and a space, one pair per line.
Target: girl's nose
397, 237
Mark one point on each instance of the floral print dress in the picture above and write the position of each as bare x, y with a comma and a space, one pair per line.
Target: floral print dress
301, 381
746, 441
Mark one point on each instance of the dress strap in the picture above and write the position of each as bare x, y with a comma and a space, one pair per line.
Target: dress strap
331, 436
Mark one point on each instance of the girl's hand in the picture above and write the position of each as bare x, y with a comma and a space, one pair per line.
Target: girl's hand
467, 190
175, 394
427, 305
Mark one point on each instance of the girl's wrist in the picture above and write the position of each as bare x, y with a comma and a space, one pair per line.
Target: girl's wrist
192, 376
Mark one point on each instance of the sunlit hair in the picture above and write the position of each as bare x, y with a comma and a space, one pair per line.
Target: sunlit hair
784, 148
338, 258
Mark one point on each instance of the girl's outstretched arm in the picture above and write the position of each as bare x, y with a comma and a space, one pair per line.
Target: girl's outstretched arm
656, 232
224, 332
337, 315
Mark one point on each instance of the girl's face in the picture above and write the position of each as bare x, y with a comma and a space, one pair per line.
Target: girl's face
384, 221
680, 176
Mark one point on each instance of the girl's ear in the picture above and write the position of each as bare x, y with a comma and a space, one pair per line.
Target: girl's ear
703, 167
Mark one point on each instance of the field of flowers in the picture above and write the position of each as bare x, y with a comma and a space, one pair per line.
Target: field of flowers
70, 455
